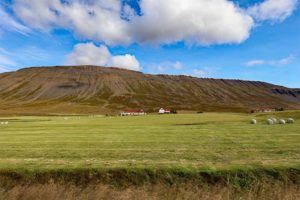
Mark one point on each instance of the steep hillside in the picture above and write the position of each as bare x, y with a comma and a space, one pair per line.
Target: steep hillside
100, 90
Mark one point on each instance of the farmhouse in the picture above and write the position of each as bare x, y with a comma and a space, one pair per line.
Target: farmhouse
133, 113
164, 111
263, 110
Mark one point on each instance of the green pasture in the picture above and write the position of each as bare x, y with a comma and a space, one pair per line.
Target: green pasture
202, 141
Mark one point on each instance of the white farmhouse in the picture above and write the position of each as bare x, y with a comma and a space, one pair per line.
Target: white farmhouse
164, 111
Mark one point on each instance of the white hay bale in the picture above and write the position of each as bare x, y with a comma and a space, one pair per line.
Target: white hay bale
5, 123
282, 121
253, 121
2, 123
290, 121
270, 121
274, 120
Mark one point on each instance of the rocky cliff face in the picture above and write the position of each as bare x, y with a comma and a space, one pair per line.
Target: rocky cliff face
100, 89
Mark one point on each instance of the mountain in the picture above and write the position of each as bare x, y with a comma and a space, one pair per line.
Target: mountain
102, 90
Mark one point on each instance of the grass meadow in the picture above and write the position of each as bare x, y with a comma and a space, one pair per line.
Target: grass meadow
216, 148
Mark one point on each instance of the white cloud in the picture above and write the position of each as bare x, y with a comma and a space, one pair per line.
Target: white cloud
254, 63
195, 22
8, 23
160, 68
205, 72
199, 72
126, 61
198, 22
6, 63
90, 54
4, 69
10, 59
284, 61
287, 60
273, 10
177, 65
96, 20
32, 53
165, 66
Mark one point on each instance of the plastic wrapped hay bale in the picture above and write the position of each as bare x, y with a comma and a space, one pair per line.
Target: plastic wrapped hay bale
253, 121
290, 121
270, 121
275, 120
282, 121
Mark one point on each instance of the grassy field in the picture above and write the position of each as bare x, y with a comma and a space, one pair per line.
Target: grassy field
215, 147
205, 141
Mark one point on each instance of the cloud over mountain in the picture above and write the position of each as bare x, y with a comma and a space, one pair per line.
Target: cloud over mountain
90, 54
6, 63
280, 62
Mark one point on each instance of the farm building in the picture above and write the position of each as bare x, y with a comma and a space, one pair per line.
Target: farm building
164, 111
133, 113
263, 110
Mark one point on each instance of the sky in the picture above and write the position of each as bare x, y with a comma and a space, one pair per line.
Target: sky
231, 39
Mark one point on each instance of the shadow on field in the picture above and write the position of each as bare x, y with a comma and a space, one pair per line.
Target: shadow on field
190, 124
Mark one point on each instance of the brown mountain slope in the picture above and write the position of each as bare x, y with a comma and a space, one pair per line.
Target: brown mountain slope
90, 89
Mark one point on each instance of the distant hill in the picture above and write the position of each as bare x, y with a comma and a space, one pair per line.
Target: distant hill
101, 90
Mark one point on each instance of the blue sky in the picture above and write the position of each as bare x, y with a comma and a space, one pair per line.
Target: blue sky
266, 48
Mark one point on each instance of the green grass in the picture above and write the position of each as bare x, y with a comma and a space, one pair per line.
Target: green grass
207, 149
209, 141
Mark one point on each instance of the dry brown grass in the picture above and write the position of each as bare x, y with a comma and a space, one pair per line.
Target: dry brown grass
158, 191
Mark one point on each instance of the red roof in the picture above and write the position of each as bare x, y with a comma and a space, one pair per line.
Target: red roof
133, 111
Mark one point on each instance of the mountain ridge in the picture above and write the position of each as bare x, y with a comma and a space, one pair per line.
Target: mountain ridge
100, 90
139, 72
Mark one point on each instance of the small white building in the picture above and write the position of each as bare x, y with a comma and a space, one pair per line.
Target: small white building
133, 113
164, 111
264, 110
